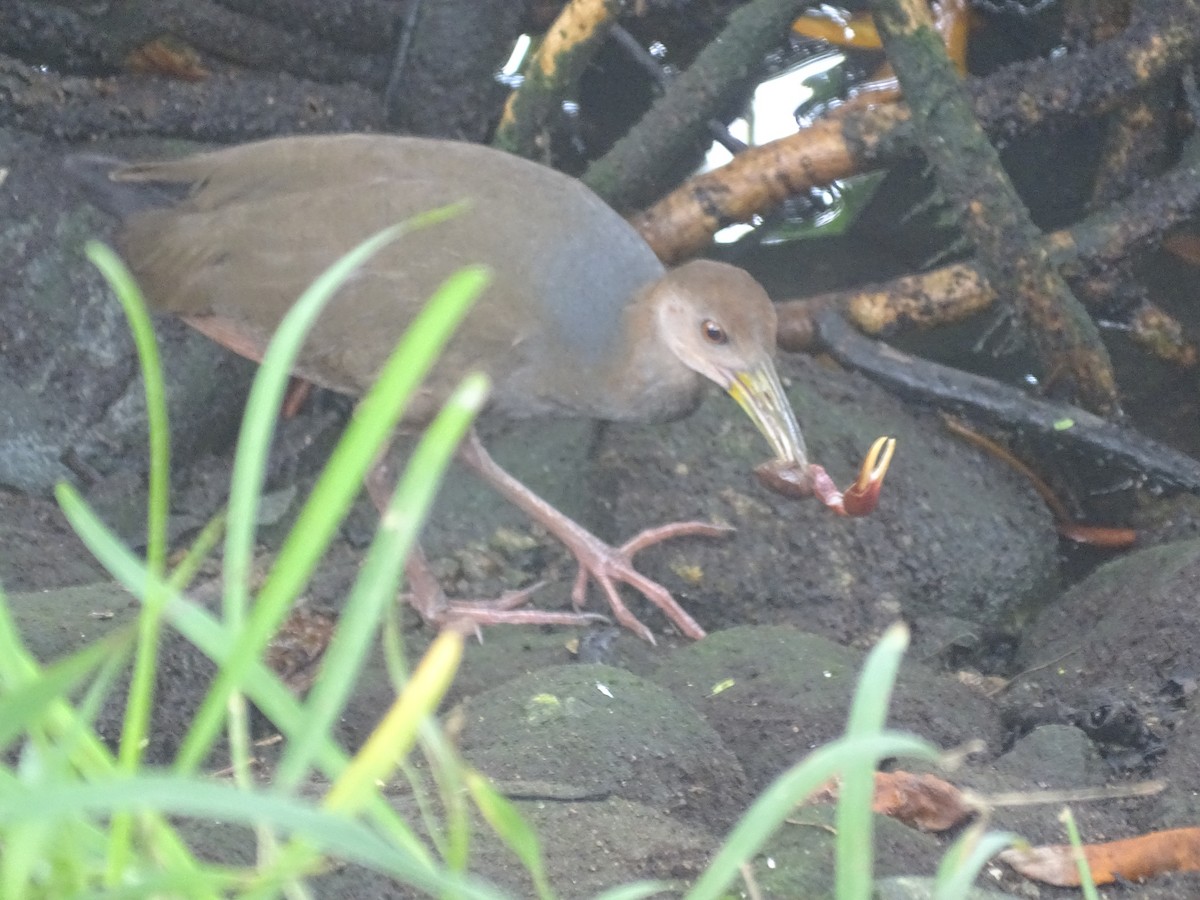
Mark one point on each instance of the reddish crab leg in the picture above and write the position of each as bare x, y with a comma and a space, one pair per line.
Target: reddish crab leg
860, 499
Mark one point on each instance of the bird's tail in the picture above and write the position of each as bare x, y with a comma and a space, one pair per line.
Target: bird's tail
93, 172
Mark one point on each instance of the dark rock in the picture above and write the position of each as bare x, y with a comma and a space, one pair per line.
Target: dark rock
775, 693
72, 402
574, 732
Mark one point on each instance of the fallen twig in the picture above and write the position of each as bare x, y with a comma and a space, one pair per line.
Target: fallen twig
983, 400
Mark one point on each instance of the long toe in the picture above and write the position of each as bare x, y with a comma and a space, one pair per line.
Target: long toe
435, 608
611, 566
651, 536
620, 570
506, 611
440, 610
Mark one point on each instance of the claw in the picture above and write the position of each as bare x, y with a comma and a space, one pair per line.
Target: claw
859, 499
862, 497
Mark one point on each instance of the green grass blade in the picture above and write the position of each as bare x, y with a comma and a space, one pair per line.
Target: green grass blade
141, 685
92, 759
134, 306
775, 804
637, 890
262, 412
18, 668
186, 569
72, 740
854, 846
22, 708
1087, 884
331, 497
965, 859
266, 396
397, 731
25, 849
249, 473
183, 795
451, 835
200, 627
504, 819
375, 590
378, 582
211, 881
868, 711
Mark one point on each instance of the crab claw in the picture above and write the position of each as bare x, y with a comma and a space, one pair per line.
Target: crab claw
862, 497
810, 480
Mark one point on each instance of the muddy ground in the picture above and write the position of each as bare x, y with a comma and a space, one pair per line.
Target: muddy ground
635, 767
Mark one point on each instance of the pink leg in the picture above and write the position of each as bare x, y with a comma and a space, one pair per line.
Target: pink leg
607, 565
431, 603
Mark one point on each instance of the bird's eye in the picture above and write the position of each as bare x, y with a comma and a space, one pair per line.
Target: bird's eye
713, 333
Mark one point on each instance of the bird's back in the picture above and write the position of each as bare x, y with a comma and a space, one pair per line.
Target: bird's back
262, 220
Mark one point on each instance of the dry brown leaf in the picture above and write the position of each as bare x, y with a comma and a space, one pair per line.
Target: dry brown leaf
1132, 859
924, 802
169, 57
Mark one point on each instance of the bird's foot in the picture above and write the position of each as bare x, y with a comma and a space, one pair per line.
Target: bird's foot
436, 609
859, 499
609, 566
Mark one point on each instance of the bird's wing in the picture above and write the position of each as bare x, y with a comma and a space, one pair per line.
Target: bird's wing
262, 220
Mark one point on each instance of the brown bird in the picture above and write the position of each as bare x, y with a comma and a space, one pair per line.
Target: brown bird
580, 319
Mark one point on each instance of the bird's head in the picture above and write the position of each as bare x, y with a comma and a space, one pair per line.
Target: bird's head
718, 321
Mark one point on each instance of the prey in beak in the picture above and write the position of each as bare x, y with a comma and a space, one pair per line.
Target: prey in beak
759, 393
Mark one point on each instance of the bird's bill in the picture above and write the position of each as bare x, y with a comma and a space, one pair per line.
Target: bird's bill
758, 392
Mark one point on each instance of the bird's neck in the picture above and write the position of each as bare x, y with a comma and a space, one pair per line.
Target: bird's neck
650, 380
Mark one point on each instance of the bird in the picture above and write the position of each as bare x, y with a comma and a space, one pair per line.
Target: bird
580, 318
